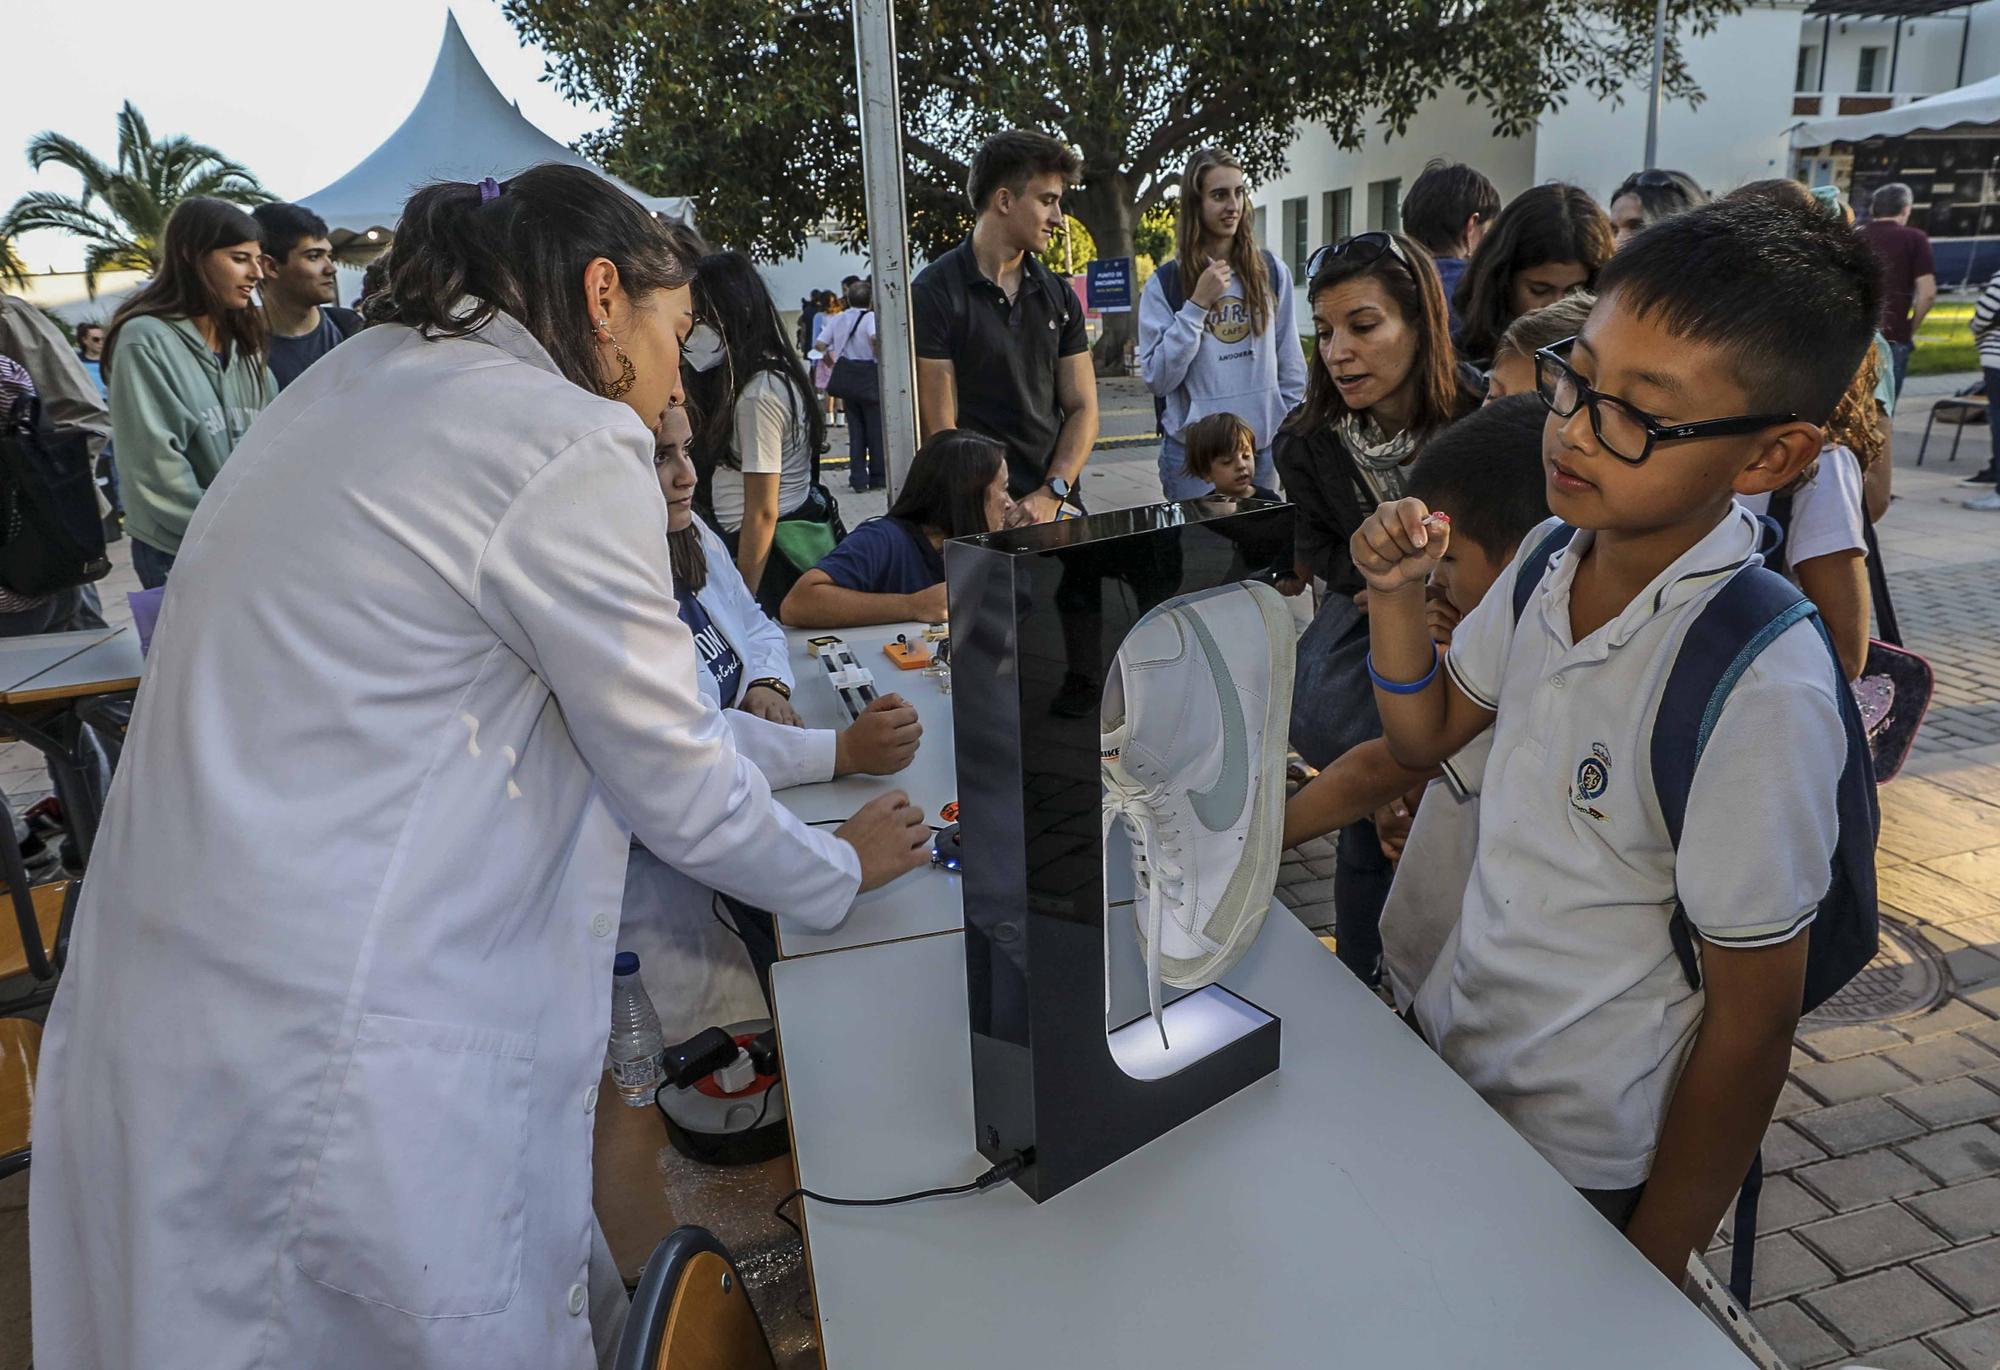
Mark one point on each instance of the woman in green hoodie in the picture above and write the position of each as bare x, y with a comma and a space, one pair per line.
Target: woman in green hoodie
189, 375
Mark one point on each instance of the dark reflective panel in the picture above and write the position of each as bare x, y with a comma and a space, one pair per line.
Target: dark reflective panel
1037, 616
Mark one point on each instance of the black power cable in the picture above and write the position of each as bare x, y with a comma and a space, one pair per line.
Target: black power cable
998, 1174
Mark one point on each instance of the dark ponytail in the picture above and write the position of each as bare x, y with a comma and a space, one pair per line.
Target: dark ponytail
461, 256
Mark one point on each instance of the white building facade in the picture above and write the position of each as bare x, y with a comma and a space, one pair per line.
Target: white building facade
1760, 72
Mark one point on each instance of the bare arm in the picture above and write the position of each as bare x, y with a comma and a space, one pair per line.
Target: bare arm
1926, 296
1837, 584
760, 522
1076, 392
937, 396
1355, 785
1723, 1100
816, 602
1395, 552
1877, 482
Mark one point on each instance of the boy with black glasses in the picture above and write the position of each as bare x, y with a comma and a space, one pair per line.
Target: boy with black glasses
1721, 342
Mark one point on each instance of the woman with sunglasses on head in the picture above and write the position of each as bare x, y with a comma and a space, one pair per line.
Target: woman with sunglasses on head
1551, 241
1646, 197
1216, 327
1384, 380
760, 423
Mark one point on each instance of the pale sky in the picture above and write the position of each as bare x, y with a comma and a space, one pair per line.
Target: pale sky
297, 93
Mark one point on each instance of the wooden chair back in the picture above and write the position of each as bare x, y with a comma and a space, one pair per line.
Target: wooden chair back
20, 1051
691, 1311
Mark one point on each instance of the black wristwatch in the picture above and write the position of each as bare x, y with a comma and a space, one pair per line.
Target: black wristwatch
1058, 487
772, 683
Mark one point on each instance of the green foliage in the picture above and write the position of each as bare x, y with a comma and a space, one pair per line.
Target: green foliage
749, 105
1154, 237
13, 271
123, 211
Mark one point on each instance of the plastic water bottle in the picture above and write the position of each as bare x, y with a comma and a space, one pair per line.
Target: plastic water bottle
638, 1052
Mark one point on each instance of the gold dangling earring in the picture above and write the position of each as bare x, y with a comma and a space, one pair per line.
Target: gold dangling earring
628, 375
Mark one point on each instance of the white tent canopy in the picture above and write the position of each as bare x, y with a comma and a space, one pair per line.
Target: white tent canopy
462, 129
1978, 103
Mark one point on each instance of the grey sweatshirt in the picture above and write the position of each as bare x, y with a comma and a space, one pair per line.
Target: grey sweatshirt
1209, 362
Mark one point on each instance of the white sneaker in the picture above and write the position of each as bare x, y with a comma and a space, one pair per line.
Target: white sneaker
1986, 504
1193, 760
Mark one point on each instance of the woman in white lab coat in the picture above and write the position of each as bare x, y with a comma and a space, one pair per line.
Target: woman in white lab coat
697, 971
317, 1086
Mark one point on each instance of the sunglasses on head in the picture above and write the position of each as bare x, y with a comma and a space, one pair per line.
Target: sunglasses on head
1360, 249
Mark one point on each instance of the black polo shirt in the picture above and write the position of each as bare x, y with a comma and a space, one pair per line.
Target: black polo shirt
1004, 356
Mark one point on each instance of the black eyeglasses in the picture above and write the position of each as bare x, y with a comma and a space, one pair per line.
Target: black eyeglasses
1360, 249
1627, 433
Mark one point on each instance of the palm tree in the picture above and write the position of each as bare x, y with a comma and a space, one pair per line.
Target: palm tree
122, 212
13, 271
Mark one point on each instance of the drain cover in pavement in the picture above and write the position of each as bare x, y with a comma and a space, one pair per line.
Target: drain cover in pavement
1905, 978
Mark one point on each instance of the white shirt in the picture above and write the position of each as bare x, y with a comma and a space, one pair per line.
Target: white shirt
1429, 889
772, 438
319, 1079
1558, 996
1827, 511
851, 336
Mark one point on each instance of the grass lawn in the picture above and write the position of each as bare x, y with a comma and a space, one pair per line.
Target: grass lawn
1945, 343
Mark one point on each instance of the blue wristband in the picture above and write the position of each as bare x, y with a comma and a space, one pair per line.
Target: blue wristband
1415, 687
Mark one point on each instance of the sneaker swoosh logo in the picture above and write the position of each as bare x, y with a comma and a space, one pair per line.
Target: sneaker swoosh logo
1221, 804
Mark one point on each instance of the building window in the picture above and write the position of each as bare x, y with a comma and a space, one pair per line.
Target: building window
1257, 227
1874, 70
1385, 205
1336, 215
1296, 230
1808, 74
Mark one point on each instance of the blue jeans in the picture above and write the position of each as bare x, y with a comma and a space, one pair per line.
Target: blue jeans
1899, 354
1176, 483
151, 565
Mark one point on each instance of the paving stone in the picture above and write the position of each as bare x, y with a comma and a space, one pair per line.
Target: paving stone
1854, 1182
1972, 967
1949, 1102
1904, 1355
1970, 1274
1971, 1345
1986, 1034
1794, 1335
1856, 1077
1942, 1058
1311, 891
1318, 849
1791, 1100
1952, 1015
1784, 1268
1926, 894
1965, 1212
1887, 1306
1785, 1148
1870, 1238
1960, 1153
1781, 1205
1849, 1039
1847, 1128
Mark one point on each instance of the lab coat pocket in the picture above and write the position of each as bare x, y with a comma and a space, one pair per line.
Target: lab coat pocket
417, 1202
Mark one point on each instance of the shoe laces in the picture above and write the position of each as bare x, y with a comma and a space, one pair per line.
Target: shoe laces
1156, 862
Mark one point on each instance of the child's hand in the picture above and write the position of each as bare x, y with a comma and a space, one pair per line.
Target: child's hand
1399, 544
1441, 617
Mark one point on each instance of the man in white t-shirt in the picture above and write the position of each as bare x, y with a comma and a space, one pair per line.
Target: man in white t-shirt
1721, 342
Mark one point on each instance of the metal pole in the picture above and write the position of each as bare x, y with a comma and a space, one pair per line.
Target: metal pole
1895, 58
888, 231
1659, 77
1825, 48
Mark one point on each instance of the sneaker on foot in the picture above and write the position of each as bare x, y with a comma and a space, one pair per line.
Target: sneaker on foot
1986, 504
1193, 761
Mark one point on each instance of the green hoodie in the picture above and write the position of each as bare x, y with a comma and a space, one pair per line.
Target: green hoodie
176, 414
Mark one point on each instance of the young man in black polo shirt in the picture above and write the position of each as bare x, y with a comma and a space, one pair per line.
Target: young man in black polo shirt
1000, 339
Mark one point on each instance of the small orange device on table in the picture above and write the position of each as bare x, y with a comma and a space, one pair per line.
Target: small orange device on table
908, 655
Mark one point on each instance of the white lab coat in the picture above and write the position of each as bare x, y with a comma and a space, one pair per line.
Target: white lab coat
318, 1084
695, 970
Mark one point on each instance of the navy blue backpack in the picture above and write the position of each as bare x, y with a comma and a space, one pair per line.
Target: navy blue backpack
1744, 617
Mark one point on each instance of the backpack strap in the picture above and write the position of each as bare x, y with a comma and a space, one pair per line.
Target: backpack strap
1535, 565
1747, 615
1169, 277
345, 321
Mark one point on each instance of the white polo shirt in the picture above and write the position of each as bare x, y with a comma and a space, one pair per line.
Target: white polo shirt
1429, 890
1558, 996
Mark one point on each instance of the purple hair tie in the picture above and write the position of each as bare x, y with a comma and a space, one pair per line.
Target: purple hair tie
489, 191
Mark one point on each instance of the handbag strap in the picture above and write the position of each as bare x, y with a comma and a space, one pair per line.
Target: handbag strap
1878, 588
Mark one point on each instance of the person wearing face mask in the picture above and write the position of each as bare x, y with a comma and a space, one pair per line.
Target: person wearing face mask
1384, 381
185, 361
322, 1070
698, 972
760, 431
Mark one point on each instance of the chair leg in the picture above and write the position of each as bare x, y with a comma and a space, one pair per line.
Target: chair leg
1955, 439
1923, 446
16, 876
